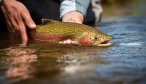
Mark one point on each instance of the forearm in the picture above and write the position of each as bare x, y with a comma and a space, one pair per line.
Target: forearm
74, 5
73, 10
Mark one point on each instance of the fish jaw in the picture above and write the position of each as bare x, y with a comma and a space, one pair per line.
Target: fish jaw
104, 42
87, 41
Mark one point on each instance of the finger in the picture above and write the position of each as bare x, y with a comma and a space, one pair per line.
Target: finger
21, 28
9, 26
27, 18
75, 43
12, 24
23, 32
14, 21
23, 35
11, 21
69, 41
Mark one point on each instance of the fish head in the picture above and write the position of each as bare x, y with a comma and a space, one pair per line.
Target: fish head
95, 39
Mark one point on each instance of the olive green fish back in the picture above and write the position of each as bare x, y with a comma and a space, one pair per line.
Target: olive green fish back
56, 27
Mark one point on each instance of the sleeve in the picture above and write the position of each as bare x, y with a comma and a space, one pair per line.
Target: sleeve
74, 5
97, 9
1, 1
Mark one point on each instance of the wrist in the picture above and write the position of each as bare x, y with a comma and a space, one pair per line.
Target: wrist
73, 16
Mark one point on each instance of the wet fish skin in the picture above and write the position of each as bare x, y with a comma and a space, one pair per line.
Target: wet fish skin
51, 30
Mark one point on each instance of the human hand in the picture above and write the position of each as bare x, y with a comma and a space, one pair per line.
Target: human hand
17, 18
74, 16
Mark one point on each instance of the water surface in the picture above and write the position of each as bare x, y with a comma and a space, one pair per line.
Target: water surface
122, 63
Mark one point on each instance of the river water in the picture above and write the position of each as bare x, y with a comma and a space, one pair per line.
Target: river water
122, 63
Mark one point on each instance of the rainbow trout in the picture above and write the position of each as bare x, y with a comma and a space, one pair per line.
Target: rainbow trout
51, 30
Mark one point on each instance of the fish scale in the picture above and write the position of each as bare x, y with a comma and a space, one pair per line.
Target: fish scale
51, 30
64, 28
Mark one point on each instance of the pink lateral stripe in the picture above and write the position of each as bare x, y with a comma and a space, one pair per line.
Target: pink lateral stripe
45, 36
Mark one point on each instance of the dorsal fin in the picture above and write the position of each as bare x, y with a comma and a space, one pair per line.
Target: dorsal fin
45, 21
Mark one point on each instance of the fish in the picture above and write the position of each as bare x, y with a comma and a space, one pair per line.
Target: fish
57, 31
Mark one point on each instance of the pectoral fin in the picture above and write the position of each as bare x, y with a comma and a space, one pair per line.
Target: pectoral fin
46, 21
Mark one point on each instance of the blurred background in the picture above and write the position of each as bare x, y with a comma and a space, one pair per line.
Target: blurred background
114, 8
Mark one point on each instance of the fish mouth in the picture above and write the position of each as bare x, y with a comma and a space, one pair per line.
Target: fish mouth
105, 43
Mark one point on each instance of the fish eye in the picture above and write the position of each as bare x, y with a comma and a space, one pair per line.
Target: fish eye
95, 38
